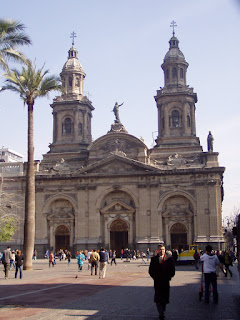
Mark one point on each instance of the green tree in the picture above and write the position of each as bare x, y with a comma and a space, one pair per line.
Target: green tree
10, 204
30, 84
11, 37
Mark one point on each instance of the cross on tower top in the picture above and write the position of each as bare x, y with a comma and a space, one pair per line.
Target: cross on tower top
73, 35
172, 25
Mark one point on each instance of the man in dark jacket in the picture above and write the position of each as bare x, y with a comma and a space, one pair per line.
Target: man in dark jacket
103, 263
6, 257
161, 269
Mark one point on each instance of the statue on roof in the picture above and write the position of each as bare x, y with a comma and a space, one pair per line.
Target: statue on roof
210, 142
116, 112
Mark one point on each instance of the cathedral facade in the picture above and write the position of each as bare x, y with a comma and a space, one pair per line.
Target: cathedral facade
116, 192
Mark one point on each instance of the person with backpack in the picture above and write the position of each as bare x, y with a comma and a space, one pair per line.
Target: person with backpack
196, 257
228, 261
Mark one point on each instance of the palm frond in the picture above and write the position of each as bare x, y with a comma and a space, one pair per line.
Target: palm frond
31, 82
11, 36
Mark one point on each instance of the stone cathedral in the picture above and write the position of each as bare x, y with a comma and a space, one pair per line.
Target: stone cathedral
115, 191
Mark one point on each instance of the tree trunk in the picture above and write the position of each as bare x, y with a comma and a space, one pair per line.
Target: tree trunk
29, 222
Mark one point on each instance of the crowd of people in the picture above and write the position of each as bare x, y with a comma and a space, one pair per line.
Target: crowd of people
161, 269
12, 259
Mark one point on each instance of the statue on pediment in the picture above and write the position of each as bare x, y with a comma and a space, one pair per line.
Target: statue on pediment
210, 142
175, 160
116, 112
61, 166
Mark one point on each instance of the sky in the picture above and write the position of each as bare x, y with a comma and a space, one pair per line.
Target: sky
121, 46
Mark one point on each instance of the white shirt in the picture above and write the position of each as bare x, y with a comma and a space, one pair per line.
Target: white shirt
210, 262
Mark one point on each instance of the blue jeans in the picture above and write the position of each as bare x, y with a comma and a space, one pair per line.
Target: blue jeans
20, 268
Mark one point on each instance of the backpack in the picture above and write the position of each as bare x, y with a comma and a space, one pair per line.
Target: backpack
196, 255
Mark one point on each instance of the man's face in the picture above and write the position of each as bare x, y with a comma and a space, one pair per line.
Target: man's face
161, 251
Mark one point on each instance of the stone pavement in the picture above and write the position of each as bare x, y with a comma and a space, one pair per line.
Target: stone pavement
125, 294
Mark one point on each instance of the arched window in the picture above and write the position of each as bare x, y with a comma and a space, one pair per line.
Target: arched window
67, 126
70, 81
174, 72
77, 82
176, 120
167, 73
181, 73
80, 128
188, 122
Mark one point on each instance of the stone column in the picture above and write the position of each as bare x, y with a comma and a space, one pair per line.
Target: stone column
89, 133
167, 233
184, 118
141, 216
81, 84
58, 127
202, 211
94, 217
193, 124
51, 235
75, 124
106, 232
54, 126
84, 112
166, 121
159, 122
71, 224
215, 210
131, 230
73, 83
189, 235
155, 220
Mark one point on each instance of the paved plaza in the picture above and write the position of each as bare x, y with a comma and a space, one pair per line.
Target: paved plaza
126, 293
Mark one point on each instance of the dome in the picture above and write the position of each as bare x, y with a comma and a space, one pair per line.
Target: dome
73, 63
174, 52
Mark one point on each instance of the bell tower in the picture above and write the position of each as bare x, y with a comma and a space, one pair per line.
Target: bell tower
176, 104
72, 113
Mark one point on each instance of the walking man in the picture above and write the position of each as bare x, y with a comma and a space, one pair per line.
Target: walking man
94, 258
161, 269
210, 261
103, 263
6, 257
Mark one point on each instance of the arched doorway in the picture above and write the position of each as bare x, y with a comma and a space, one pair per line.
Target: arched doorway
118, 236
62, 238
178, 233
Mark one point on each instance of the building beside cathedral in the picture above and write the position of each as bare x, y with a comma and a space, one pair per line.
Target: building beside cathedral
116, 192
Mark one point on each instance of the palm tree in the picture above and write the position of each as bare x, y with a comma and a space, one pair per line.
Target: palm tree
11, 36
31, 84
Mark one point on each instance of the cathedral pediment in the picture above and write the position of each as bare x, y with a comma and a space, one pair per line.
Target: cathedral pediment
117, 207
117, 164
60, 214
115, 142
177, 212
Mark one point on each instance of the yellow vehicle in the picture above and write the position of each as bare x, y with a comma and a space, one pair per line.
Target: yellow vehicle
187, 255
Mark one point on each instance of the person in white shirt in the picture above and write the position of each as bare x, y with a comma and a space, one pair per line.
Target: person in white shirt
210, 261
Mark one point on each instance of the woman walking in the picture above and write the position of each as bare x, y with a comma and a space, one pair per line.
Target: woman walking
18, 264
